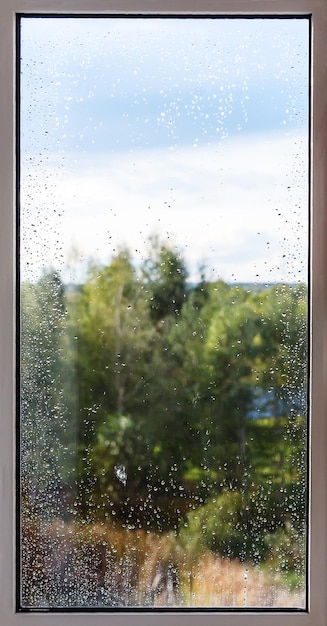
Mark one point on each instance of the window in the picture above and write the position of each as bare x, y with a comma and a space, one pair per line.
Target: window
316, 612
183, 316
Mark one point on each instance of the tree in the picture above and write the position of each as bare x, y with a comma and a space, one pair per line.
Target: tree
113, 344
165, 275
47, 422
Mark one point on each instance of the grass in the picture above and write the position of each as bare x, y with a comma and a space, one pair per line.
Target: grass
100, 565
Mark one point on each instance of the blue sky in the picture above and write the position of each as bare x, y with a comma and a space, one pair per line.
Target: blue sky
195, 130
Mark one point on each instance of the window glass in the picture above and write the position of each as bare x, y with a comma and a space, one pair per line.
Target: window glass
163, 302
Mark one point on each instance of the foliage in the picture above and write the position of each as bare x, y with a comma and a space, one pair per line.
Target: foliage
253, 526
150, 389
46, 378
165, 276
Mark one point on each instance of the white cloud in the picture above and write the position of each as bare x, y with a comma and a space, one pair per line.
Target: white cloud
239, 206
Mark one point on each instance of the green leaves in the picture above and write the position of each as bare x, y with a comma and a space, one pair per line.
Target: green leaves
157, 383
165, 275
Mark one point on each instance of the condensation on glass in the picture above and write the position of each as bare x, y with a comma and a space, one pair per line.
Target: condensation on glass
163, 298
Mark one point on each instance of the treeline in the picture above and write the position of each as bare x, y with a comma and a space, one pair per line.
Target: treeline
145, 397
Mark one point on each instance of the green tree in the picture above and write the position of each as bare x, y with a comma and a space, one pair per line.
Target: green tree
113, 333
165, 276
47, 437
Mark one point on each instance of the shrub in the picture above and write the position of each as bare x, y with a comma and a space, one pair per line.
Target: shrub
252, 528
286, 554
223, 525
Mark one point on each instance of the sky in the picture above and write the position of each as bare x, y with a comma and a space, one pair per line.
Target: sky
194, 130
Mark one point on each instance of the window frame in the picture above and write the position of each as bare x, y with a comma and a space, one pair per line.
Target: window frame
317, 567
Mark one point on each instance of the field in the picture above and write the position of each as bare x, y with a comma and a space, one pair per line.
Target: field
75, 565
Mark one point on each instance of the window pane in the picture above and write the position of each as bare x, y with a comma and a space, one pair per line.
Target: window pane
163, 302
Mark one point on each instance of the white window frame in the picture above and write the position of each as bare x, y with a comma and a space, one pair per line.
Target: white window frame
317, 612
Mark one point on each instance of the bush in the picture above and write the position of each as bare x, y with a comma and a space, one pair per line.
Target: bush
249, 529
223, 525
286, 553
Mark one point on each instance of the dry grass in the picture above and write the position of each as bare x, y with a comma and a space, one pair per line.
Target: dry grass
103, 566
218, 582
